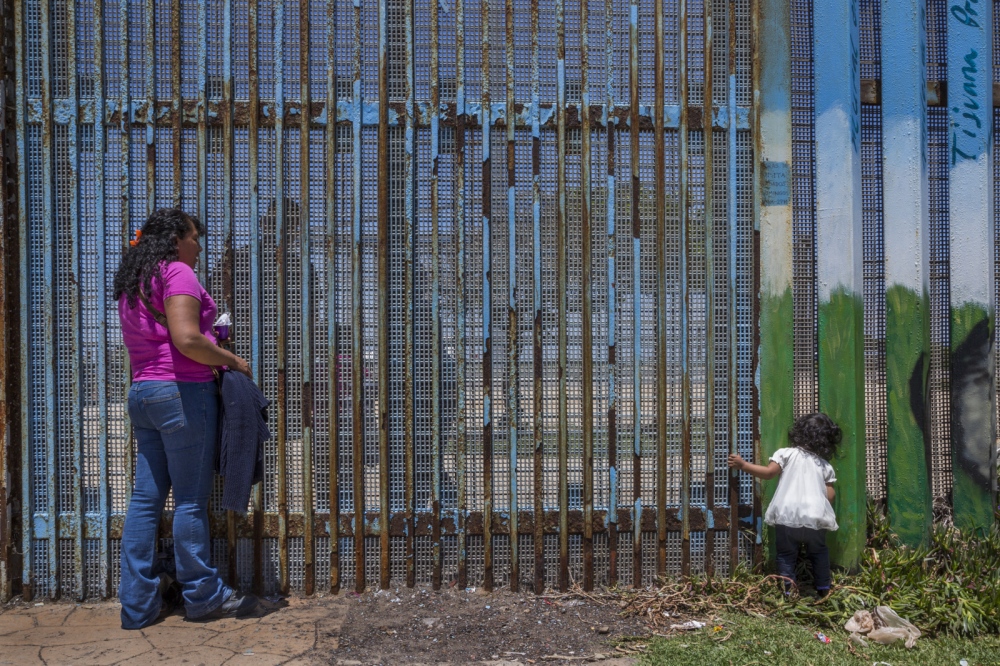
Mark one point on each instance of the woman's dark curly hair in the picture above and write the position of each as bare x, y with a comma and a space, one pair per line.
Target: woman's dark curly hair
816, 433
157, 244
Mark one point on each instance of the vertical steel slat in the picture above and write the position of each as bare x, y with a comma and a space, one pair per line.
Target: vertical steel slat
305, 261
709, 152
357, 338
48, 300
460, 348
636, 296
561, 279
383, 292
659, 158
280, 265
177, 105
104, 566
332, 287
538, 436
75, 299
588, 305
149, 15
202, 132
512, 350
27, 527
436, 462
253, 81
410, 163
486, 121
732, 387
612, 301
685, 299
229, 286
125, 120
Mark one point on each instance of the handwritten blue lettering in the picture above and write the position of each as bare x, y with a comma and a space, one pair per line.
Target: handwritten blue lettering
970, 109
964, 14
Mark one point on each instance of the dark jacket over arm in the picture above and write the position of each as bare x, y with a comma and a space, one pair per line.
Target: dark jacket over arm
240, 456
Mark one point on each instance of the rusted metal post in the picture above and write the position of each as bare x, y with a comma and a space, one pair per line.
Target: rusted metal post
561, 289
636, 294
709, 152
125, 125
732, 283
333, 285
202, 160
384, 242
435, 86
685, 300
27, 519
486, 123
588, 304
177, 106
612, 298
659, 159
306, 323
512, 350
538, 435
357, 337
149, 54
409, 193
460, 347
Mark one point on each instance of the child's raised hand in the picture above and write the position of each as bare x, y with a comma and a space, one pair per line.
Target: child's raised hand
736, 461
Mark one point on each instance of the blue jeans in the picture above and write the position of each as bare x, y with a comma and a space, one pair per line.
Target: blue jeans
175, 427
788, 540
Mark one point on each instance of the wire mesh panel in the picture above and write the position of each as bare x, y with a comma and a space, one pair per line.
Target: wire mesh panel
303, 201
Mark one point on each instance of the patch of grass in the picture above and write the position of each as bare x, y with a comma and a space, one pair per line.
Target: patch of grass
746, 640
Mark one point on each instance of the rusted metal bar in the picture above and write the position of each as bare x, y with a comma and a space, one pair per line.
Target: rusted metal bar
177, 101
229, 284
384, 242
561, 292
659, 159
460, 347
612, 300
202, 130
709, 153
306, 323
125, 126
435, 86
357, 337
48, 301
538, 435
512, 350
27, 521
104, 565
588, 306
487, 140
685, 297
333, 361
257, 320
149, 53
732, 387
409, 189
75, 299
636, 295
280, 259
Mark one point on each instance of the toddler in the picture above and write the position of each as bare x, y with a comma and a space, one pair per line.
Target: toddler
801, 510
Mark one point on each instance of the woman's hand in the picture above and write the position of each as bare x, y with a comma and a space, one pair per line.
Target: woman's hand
736, 461
242, 366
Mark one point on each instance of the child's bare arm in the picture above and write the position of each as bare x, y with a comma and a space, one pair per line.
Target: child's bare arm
772, 470
830, 492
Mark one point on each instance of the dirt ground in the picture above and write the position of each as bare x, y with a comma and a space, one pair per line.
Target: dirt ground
418, 625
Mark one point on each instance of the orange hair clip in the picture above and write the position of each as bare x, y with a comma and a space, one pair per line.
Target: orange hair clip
138, 235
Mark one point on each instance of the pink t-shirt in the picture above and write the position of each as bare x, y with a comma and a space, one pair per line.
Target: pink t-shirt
150, 349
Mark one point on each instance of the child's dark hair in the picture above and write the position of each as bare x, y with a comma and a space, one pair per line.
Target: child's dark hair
816, 433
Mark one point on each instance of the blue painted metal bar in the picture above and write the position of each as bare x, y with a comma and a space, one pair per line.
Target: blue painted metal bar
636, 294
709, 152
75, 299
588, 308
384, 232
487, 140
104, 566
202, 131
149, 57
659, 160
538, 435
435, 86
732, 284
612, 294
512, 330
306, 318
27, 527
48, 343
333, 361
972, 230
561, 294
409, 192
357, 338
281, 288
685, 298
125, 127
177, 105
460, 345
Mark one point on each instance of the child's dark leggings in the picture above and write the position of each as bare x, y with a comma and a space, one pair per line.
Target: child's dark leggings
788, 541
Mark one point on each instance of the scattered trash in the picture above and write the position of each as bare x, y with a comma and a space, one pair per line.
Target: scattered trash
690, 625
572, 602
470, 590
822, 638
39, 604
603, 629
883, 626
487, 608
767, 652
248, 652
964, 662
857, 639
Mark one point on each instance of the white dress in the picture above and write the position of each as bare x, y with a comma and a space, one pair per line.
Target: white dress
800, 500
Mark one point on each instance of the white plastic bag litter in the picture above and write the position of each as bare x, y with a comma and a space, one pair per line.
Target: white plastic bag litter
883, 626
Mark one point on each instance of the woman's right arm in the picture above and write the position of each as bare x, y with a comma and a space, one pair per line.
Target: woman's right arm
183, 315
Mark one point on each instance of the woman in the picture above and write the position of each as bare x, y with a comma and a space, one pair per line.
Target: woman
166, 320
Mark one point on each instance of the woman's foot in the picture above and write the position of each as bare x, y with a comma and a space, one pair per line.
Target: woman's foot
237, 605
